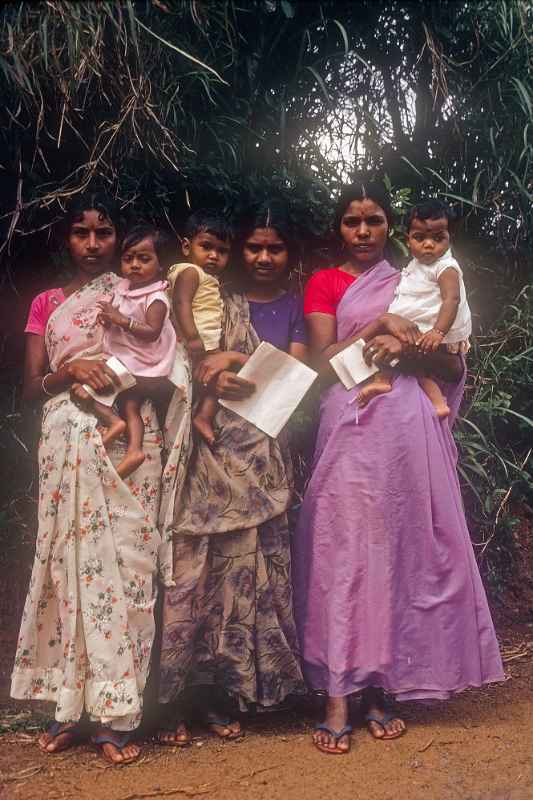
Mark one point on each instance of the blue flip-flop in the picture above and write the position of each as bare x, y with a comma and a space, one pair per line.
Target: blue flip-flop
118, 739
347, 730
56, 729
382, 720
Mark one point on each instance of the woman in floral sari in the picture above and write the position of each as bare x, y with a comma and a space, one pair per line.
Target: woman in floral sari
228, 627
88, 622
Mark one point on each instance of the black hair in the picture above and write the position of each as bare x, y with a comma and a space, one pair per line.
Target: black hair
207, 220
372, 190
92, 201
269, 215
429, 209
165, 245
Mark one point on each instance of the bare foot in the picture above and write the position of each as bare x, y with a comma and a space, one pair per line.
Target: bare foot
114, 431
180, 736
373, 389
60, 736
204, 428
115, 747
336, 719
381, 724
222, 727
131, 461
442, 410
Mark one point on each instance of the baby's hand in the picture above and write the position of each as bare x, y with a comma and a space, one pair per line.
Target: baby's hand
430, 342
109, 315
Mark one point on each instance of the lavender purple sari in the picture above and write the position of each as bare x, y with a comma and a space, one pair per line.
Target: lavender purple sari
387, 590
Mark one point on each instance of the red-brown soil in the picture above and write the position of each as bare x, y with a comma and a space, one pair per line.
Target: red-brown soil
478, 746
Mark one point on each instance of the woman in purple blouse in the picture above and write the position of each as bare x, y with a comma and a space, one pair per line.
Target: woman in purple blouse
228, 625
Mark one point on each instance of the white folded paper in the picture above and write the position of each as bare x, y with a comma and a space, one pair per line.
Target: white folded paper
280, 383
126, 381
350, 366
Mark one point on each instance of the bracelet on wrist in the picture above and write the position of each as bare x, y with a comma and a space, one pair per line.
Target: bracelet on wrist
132, 324
441, 333
43, 385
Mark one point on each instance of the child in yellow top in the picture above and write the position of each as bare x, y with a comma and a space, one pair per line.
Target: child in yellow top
195, 293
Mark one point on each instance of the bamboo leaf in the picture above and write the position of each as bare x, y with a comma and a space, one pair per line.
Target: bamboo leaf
181, 52
344, 34
320, 82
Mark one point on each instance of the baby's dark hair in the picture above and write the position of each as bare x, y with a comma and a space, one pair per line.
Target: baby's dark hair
207, 220
429, 209
165, 245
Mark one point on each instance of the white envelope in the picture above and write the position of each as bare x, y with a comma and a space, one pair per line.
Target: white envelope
280, 383
126, 381
350, 366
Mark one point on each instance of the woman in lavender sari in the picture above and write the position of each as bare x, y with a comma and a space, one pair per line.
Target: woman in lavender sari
388, 596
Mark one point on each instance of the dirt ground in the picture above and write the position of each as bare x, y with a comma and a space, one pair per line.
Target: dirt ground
477, 746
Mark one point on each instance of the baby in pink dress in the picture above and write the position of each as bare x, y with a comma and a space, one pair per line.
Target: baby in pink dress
140, 334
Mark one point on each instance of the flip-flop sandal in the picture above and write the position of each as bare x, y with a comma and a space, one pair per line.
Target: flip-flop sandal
382, 720
173, 729
118, 740
56, 729
223, 722
347, 730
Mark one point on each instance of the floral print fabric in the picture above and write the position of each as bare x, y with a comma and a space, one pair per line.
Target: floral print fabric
228, 620
88, 623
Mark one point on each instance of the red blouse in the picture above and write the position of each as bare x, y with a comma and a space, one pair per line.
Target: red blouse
324, 290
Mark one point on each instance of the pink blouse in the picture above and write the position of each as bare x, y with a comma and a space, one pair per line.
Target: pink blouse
41, 309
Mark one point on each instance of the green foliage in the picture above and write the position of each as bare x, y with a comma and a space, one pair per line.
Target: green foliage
173, 104
495, 432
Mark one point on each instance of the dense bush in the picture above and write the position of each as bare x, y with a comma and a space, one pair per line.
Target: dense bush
173, 104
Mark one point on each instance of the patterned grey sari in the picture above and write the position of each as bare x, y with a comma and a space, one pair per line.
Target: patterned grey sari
228, 621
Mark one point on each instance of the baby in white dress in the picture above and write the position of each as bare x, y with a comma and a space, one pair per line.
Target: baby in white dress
431, 293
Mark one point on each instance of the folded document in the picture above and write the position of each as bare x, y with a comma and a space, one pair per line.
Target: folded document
280, 383
350, 366
126, 381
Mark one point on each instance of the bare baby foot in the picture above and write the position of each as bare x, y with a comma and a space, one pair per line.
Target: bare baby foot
131, 461
373, 389
204, 428
114, 431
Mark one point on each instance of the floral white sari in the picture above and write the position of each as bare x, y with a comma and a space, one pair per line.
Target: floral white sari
88, 623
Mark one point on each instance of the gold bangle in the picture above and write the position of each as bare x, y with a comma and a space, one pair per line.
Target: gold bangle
43, 387
132, 324
441, 333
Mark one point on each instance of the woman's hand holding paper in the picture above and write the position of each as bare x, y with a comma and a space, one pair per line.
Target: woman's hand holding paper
230, 387
96, 374
384, 350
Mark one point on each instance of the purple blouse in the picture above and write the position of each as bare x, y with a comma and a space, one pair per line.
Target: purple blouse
280, 321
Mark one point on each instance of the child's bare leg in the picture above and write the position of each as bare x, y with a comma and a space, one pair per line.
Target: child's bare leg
104, 414
160, 391
131, 408
203, 419
115, 425
432, 389
379, 383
